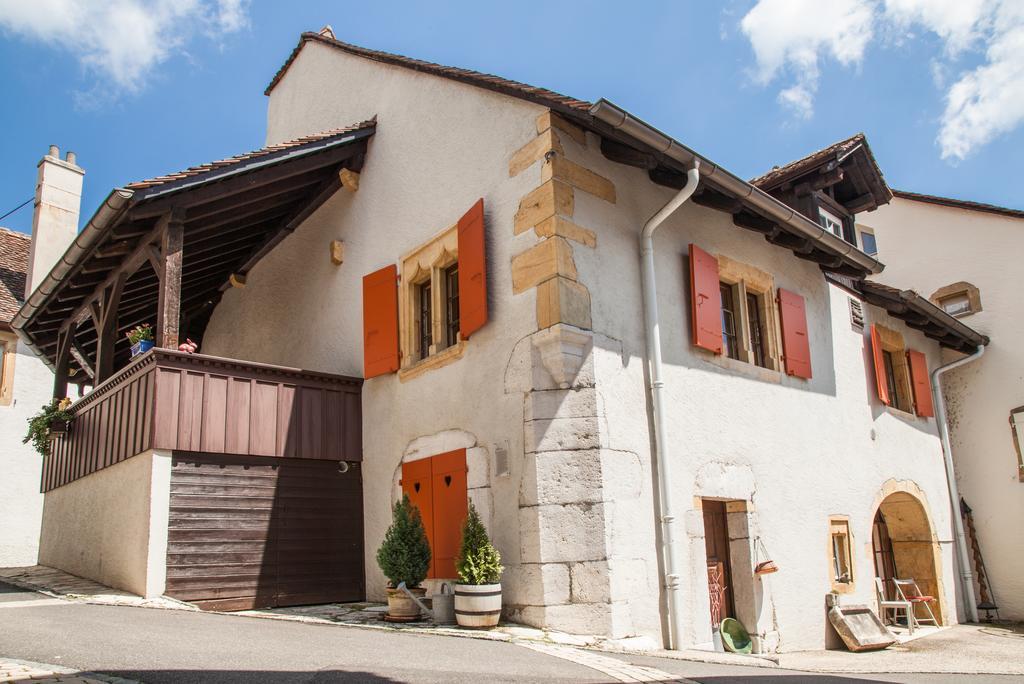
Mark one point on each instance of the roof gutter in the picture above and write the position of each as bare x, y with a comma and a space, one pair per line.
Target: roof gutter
112, 208
621, 120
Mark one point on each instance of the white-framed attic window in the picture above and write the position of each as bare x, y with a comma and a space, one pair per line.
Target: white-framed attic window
830, 222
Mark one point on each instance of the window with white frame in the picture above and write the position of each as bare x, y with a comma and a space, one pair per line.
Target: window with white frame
830, 222
868, 243
956, 304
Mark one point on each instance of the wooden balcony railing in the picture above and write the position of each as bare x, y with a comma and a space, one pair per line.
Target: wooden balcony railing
173, 401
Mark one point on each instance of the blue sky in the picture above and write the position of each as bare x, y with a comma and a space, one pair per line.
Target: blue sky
749, 84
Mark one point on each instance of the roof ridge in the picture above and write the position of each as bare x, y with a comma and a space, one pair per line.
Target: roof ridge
16, 233
779, 170
969, 205
543, 96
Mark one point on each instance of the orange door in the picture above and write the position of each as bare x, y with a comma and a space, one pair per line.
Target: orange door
450, 507
416, 483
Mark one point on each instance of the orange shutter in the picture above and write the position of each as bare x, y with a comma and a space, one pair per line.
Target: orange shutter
796, 349
416, 483
706, 300
472, 271
450, 507
920, 382
380, 322
876, 355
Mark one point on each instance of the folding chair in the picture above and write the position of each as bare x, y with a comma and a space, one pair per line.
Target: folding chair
895, 606
908, 590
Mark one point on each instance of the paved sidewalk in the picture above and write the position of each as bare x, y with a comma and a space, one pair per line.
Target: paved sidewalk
962, 649
59, 584
38, 673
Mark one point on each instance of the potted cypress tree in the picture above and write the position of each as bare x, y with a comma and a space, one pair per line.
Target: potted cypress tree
404, 556
478, 596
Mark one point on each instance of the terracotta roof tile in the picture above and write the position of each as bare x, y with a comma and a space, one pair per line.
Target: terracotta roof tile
542, 96
255, 154
14, 248
838, 149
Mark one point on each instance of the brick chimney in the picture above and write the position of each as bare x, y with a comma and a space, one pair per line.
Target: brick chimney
55, 220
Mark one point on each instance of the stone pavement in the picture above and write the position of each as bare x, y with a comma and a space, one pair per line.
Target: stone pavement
38, 673
60, 584
961, 649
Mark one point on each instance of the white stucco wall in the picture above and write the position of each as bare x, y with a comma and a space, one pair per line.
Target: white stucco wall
797, 451
21, 506
926, 247
439, 146
575, 518
111, 526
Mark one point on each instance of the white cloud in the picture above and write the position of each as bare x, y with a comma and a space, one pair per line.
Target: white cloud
988, 101
791, 37
122, 40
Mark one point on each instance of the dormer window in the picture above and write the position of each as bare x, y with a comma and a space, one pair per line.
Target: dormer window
830, 222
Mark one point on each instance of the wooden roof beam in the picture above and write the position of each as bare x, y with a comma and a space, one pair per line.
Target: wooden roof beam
250, 180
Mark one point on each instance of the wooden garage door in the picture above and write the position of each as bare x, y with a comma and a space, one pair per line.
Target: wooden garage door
249, 532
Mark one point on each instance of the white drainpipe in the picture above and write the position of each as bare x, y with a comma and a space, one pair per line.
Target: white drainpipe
963, 559
670, 558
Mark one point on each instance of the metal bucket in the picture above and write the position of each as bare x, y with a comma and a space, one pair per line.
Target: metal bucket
444, 606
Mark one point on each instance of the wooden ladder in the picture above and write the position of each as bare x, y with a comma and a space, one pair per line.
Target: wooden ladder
985, 599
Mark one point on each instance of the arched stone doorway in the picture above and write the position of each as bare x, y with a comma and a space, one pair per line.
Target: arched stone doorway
904, 545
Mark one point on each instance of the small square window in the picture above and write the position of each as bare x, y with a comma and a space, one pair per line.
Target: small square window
842, 562
830, 222
957, 304
868, 243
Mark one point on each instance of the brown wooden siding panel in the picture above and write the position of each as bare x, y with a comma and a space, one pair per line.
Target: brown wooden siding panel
214, 414
195, 403
263, 419
236, 440
287, 420
250, 532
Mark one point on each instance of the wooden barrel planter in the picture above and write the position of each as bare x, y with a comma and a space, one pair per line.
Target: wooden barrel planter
478, 605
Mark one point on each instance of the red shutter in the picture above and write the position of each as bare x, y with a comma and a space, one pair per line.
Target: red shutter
796, 349
472, 271
705, 300
417, 484
920, 382
448, 473
380, 322
876, 354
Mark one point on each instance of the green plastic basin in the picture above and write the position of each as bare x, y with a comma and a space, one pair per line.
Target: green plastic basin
735, 637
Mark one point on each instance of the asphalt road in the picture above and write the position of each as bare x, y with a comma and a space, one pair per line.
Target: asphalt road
157, 646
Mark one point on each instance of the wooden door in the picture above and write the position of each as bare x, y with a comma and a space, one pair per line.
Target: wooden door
716, 542
885, 561
251, 532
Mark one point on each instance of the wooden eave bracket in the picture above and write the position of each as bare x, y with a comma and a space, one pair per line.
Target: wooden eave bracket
349, 179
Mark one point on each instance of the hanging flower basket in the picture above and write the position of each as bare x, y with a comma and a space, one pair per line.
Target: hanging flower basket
767, 566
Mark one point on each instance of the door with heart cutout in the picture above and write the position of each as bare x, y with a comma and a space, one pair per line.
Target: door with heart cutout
437, 486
